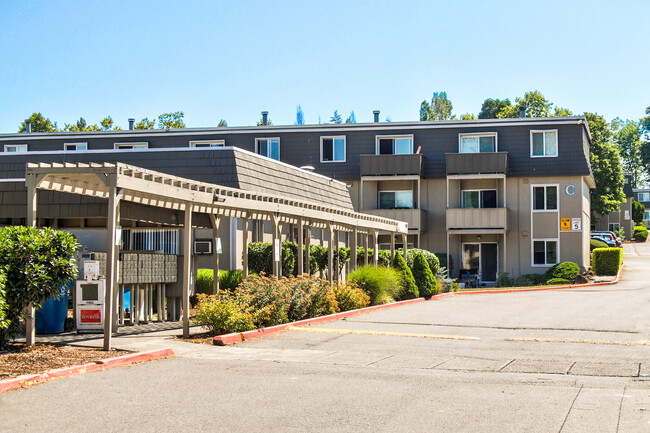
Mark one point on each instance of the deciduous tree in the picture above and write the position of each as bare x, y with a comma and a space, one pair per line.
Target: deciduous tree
145, 124
627, 136
535, 104
439, 109
39, 124
171, 120
491, 108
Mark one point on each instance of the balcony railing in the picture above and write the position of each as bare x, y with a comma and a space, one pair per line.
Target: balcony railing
485, 218
416, 218
477, 163
391, 165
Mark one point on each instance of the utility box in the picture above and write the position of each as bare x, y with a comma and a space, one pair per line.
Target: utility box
89, 297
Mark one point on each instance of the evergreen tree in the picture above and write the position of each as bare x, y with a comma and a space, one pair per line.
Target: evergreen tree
352, 118
300, 116
638, 212
336, 118
492, 107
409, 288
440, 108
39, 124
222, 124
424, 279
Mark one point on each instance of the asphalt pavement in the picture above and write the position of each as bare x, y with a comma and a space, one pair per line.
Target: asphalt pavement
573, 360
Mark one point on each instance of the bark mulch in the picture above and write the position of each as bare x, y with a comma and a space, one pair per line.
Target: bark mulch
202, 338
18, 359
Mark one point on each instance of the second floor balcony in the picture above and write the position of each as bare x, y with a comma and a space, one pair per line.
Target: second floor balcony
392, 165
477, 163
477, 218
416, 218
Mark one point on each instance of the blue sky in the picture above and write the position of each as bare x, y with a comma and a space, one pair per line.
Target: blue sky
231, 60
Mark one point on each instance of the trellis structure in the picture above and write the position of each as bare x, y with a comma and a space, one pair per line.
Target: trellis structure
118, 182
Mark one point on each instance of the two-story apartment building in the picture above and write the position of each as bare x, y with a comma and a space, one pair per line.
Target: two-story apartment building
496, 195
642, 195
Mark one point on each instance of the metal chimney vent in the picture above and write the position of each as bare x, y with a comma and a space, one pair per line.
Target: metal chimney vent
265, 118
131, 122
376, 114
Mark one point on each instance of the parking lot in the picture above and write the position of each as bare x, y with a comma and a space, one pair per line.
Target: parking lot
568, 360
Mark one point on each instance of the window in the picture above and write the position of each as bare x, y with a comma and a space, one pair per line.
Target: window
543, 143
397, 145
646, 215
486, 198
396, 200
15, 148
545, 197
478, 143
208, 143
75, 146
643, 196
614, 227
332, 149
269, 147
545, 252
135, 145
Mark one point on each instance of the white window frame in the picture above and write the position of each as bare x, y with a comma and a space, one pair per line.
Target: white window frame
646, 215
211, 144
543, 131
334, 137
545, 240
394, 137
617, 227
72, 147
462, 200
479, 135
395, 191
17, 146
532, 197
646, 196
130, 145
257, 140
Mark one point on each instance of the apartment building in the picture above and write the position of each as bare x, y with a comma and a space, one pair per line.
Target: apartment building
496, 195
622, 218
642, 195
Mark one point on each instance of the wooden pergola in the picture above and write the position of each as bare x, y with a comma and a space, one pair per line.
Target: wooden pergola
118, 182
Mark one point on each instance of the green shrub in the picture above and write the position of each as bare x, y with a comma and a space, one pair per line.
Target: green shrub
381, 283
558, 282
445, 283
504, 280
204, 282
409, 289
266, 298
322, 300
350, 297
565, 270
640, 233
425, 281
429, 257
3, 302
638, 212
383, 257
607, 261
442, 258
37, 262
527, 280
229, 280
223, 314
260, 258
595, 243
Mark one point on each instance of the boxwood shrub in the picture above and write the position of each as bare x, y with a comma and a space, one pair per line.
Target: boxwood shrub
595, 243
640, 233
409, 288
526, 280
607, 261
565, 270
558, 282
424, 278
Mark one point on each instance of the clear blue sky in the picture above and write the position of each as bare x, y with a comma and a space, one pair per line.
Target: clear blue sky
231, 60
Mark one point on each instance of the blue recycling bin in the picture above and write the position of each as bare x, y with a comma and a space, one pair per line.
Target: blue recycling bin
50, 318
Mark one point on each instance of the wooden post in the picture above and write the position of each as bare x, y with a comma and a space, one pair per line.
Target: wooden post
32, 204
301, 249
404, 246
337, 243
308, 250
122, 306
353, 249
132, 304
187, 258
392, 247
330, 253
245, 247
275, 224
375, 250
215, 221
111, 256
365, 248
151, 287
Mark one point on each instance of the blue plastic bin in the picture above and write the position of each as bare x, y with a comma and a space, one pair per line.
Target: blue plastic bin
50, 318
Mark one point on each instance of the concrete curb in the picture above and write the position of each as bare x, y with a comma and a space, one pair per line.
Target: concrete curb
33, 379
238, 337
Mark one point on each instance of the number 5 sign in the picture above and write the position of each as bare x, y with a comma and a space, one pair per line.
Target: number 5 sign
576, 223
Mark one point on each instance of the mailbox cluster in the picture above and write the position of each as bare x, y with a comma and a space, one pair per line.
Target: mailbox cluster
139, 268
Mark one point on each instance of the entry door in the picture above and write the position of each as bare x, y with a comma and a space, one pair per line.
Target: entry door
471, 257
488, 262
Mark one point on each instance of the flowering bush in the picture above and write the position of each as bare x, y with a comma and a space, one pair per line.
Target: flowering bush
350, 297
222, 314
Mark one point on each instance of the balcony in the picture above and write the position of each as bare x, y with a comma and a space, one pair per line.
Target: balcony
392, 165
477, 219
477, 163
416, 218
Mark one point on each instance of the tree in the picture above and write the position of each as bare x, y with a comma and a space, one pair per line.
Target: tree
409, 288
627, 136
467, 116
535, 104
39, 124
300, 116
638, 212
606, 166
440, 108
222, 124
107, 124
336, 118
562, 112
424, 279
171, 120
352, 118
491, 108
145, 124
80, 125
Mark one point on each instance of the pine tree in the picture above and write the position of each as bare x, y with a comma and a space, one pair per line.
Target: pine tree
300, 116
352, 118
424, 279
409, 288
336, 118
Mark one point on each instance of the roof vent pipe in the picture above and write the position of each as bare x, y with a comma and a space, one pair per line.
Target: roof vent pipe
265, 118
131, 122
522, 112
376, 114
28, 126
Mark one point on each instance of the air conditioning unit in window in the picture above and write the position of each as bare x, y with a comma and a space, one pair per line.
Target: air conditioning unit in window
203, 247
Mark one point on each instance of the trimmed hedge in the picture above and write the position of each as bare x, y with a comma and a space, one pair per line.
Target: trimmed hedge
557, 282
429, 257
595, 243
565, 271
383, 255
607, 261
526, 280
260, 258
424, 279
640, 233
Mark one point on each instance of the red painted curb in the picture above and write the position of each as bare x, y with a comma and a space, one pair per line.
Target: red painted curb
75, 370
238, 337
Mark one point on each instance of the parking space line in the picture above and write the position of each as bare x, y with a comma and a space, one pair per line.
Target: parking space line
570, 340
385, 333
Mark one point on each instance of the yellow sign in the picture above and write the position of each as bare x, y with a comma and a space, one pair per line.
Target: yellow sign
565, 224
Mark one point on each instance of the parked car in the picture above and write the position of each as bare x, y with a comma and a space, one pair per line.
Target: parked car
610, 235
604, 238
